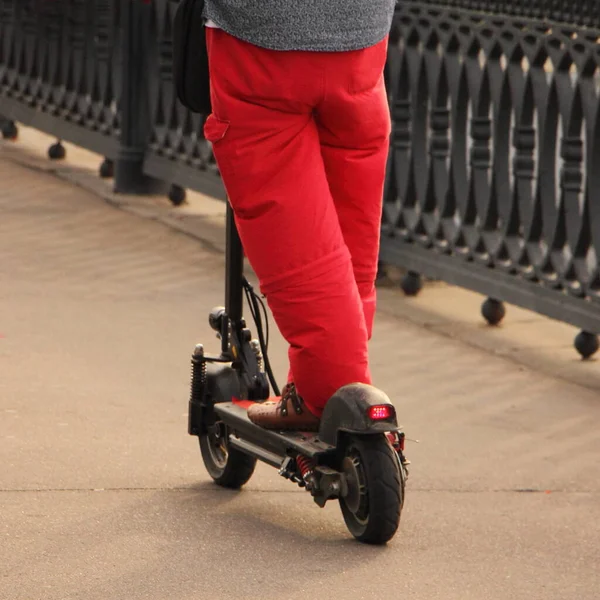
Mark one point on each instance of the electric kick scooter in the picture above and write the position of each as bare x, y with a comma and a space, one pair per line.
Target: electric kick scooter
357, 455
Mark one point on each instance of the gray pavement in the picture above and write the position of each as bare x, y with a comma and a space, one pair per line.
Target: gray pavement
103, 494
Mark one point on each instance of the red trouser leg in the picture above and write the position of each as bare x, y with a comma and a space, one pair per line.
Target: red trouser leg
354, 127
354, 133
267, 145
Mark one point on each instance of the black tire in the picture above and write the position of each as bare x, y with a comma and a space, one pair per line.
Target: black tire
374, 503
228, 467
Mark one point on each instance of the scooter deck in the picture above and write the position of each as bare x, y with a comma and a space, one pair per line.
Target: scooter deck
280, 443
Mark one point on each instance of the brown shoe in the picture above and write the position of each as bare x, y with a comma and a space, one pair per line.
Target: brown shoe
287, 414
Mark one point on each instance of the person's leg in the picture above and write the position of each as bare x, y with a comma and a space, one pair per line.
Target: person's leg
354, 129
267, 145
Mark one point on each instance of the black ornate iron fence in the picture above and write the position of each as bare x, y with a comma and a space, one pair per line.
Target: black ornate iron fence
62, 68
59, 69
177, 150
495, 157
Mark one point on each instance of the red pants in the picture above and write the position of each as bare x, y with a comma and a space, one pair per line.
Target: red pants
301, 140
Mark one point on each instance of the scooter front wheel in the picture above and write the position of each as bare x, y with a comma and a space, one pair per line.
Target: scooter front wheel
373, 502
227, 466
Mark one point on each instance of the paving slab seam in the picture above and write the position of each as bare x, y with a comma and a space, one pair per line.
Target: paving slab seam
140, 489
422, 490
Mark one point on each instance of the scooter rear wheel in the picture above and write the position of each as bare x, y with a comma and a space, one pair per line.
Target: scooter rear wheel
227, 466
373, 504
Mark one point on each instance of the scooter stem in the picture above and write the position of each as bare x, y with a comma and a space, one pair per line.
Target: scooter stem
234, 271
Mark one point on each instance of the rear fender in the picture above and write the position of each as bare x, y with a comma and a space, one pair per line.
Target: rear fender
347, 411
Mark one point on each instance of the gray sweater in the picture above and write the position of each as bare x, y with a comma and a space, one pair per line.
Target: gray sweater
317, 25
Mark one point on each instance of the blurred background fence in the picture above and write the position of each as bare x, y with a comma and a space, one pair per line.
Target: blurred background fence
494, 168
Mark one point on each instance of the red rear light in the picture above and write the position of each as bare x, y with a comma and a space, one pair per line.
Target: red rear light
381, 412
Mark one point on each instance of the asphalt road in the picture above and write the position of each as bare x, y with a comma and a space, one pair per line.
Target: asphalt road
103, 494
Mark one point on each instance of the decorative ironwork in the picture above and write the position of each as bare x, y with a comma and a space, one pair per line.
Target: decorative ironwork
58, 67
584, 13
177, 149
494, 163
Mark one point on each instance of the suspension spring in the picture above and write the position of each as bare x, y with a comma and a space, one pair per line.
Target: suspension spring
305, 465
198, 378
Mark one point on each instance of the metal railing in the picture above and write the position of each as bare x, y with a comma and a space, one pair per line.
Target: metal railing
98, 73
494, 167
59, 69
495, 157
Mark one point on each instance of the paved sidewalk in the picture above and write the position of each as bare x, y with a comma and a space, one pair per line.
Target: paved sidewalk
103, 495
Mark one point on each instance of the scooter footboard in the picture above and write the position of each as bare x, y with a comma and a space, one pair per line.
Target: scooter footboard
278, 443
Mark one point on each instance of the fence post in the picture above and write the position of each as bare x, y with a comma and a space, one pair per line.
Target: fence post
133, 106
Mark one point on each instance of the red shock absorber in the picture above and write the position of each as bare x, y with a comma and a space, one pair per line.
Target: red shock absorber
304, 465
